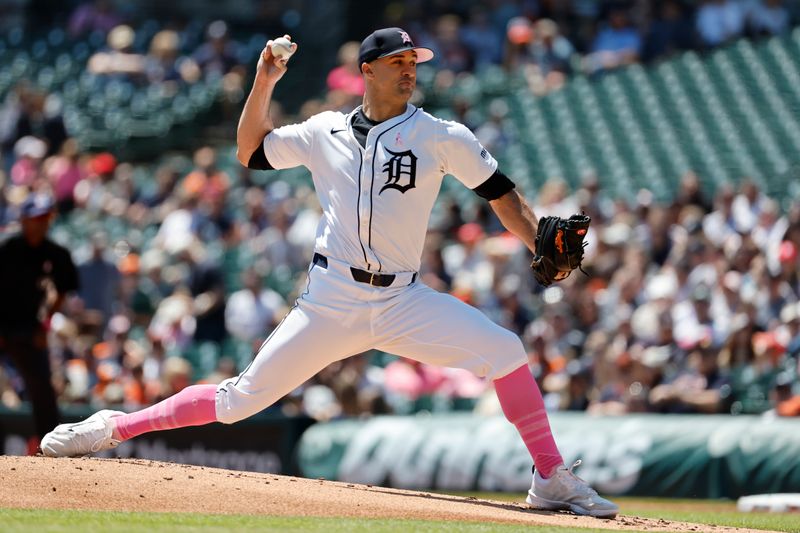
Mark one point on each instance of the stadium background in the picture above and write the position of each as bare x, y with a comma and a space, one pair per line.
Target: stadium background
673, 124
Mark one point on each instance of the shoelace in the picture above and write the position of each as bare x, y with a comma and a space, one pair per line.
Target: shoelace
96, 445
584, 485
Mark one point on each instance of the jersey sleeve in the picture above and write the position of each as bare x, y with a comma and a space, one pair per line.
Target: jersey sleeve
464, 157
290, 146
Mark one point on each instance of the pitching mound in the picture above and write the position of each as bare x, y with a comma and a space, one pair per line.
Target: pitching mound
139, 485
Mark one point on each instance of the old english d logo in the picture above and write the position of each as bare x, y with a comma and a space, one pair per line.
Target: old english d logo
401, 170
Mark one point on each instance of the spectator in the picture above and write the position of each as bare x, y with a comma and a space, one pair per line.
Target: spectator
64, 172
29, 111
346, 76
171, 329
451, 53
276, 243
211, 222
432, 270
481, 38
719, 224
119, 60
690, 193
768, 17
175, 232
207, 287
256, 219
254, 310
788, 268
493, 134
26, 170
99, 280
747, 206
161, 65
617, 44
218, 58
669, 33
94, 192
150, 288
206, 180
694, 323
551, 56
702, 387
218, 55
135, 387
518, 37
467, 263
97, 15
36, 274
176, 375
411, 381
719, 21
226, 368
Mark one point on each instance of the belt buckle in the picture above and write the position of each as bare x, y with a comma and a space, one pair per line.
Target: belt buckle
371, 278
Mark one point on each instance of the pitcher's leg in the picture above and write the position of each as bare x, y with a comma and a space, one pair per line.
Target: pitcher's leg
197, 405
302, 345
436, 328
523, 406
193, 406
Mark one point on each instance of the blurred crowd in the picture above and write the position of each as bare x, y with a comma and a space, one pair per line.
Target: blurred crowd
687, 307
187, 264
548, 41
551, 40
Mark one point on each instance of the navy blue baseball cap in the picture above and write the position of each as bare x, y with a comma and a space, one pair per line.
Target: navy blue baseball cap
387, 42
36, 205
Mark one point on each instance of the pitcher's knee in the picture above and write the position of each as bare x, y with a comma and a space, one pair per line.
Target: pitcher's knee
235, 403
509, 354
229, 406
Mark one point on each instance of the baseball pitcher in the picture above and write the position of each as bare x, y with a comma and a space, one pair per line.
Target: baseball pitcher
377, 172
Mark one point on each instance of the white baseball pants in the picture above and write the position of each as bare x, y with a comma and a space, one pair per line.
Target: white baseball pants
337, 317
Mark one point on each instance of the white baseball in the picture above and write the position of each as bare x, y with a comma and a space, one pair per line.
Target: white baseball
281, 48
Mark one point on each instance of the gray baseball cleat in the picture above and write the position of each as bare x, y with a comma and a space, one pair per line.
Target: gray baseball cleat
81, 438
566, 491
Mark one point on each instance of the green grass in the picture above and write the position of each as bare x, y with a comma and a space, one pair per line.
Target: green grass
713, 512
789, 522
51, 521
698, 511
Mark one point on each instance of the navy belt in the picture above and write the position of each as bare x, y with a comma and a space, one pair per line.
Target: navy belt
362, 276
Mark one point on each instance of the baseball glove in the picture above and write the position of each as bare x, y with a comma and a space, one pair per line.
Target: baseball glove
559, 247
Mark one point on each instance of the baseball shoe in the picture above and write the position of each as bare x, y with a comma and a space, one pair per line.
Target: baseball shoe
566, 491
81, 438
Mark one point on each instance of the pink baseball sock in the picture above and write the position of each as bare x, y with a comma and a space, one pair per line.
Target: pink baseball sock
523, 406
193, 406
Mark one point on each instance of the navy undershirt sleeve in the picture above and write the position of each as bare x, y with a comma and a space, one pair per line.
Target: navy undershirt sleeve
258, 161
494, 187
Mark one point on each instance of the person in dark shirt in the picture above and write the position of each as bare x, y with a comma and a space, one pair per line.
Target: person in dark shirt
207, 286
35, 276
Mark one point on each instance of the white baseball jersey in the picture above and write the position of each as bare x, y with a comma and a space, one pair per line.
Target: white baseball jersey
376, 201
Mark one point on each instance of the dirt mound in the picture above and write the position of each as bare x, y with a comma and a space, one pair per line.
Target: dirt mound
140, 485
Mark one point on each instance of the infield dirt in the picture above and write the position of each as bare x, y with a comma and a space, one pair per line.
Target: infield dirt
141, 485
